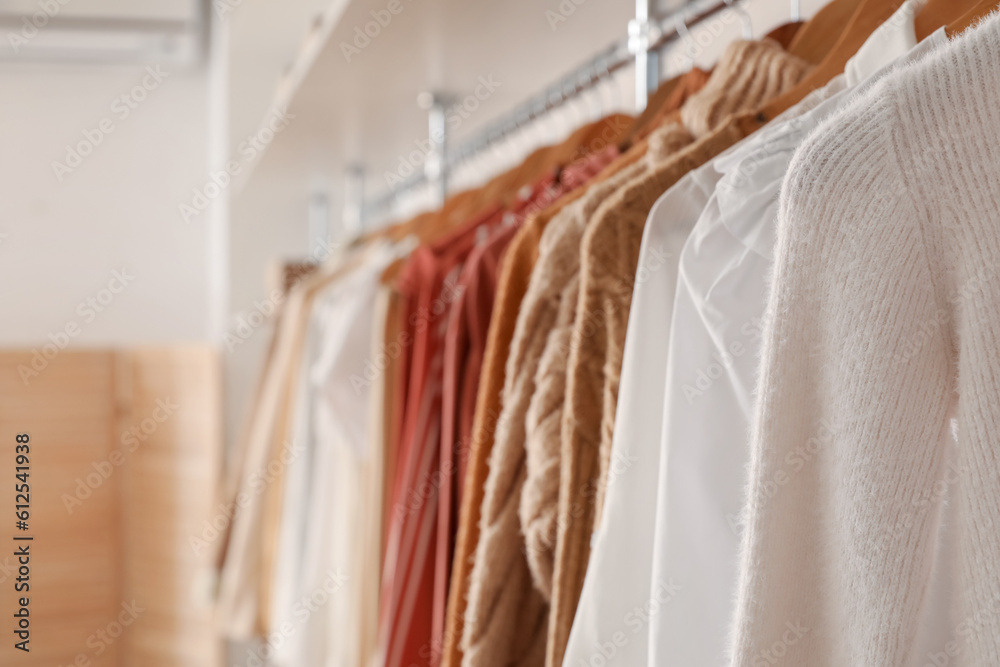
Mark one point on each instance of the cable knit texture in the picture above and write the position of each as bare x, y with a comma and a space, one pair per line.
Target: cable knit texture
543, 418
515, 273
748, 74
500, 587
506, 616
883, 323
512, 283
540, 496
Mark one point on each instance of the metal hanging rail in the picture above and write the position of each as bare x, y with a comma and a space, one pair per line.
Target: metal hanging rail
659, 33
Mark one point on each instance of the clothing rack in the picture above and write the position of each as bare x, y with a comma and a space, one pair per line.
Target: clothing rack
646, 37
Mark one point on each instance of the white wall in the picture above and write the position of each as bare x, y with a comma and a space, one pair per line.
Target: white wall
117, 210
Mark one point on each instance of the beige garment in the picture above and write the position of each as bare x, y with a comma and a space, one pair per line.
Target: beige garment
515, 270
374, 484
505, 620
329, 524
387, 407
519, 260
545, 391
540, 495
236, 456
245, 577
749, 74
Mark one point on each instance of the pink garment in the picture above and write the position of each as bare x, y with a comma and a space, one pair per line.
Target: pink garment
428, 284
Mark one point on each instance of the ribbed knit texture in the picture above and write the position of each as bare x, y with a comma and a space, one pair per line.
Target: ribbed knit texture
883, 323
610, 251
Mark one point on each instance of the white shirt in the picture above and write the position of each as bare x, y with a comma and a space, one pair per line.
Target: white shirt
627, 594
712, 371
330, 527
614, 603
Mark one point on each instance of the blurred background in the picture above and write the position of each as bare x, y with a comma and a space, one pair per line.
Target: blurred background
163, 165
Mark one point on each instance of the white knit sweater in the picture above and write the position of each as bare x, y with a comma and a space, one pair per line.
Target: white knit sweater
883, 324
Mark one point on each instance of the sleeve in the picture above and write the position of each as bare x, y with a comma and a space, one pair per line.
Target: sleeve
540, 496
853, 403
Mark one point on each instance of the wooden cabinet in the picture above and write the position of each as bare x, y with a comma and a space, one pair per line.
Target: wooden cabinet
125, 454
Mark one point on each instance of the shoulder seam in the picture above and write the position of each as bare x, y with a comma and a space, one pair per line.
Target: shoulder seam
909, 193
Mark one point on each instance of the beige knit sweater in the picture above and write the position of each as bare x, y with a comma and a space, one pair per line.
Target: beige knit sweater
543, 417
506, 617
539, 500
748, 74
883, 324
515, 274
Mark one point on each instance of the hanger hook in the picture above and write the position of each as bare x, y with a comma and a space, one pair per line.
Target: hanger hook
796, 10
745, 19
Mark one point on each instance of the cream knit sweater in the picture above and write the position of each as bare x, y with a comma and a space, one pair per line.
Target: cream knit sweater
882, 325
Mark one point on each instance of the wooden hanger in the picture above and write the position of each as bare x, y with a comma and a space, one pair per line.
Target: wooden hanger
817, 37
431, 224
785, 33
457, 209
504, 188
937, 13
694, 79
512, 179
466, 204
590, 139
869, 16
652, 110
652, 116
975, 14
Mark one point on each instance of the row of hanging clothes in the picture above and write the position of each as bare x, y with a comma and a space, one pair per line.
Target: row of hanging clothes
716, 385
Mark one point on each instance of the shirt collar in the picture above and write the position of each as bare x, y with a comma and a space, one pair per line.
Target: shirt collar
752, 173
891, 40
